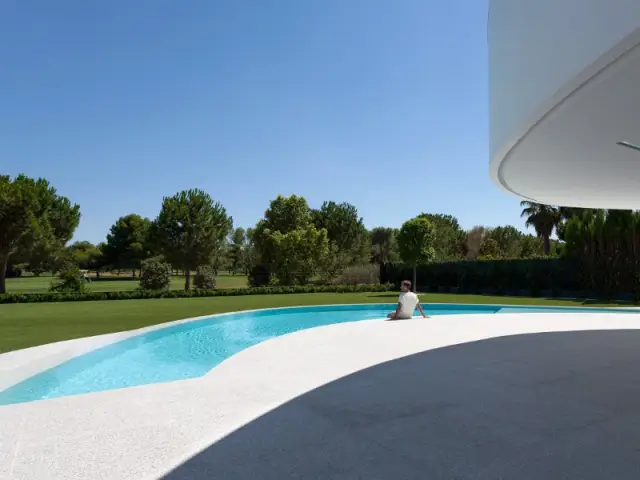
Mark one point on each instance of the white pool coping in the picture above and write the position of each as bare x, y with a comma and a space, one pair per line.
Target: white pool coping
143, 432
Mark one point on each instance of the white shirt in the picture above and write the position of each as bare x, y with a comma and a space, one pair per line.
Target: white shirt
408, 302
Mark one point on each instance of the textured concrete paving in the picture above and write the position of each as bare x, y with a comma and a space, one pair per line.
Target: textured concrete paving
540, 406
448, 398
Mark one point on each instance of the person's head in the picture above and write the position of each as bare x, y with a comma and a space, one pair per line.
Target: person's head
405, 286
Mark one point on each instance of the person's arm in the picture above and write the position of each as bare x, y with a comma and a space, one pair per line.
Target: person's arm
421, 310
397, 312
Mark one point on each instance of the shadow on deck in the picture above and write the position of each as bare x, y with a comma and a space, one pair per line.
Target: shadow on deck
540, 406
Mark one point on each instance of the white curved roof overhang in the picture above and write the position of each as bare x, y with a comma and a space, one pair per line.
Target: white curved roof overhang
569, 152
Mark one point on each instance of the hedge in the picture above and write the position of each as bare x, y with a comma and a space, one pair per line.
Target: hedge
231, 292
525, 277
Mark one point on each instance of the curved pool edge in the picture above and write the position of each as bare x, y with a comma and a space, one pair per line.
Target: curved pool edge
19, 365
166, 424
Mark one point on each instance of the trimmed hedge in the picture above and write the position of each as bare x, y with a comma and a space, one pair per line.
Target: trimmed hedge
525, 277
231, 292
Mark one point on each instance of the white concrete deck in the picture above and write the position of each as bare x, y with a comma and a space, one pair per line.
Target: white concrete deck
145, 432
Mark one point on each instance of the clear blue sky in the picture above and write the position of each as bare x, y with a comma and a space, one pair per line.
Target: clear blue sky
381, 103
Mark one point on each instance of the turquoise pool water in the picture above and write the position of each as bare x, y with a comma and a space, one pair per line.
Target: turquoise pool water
192, 349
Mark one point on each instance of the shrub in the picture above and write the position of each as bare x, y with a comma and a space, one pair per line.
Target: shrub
533, 276
141, 293
156, 276
15, 270
259, 276
366, 274
69, 280
37, 271
205, 278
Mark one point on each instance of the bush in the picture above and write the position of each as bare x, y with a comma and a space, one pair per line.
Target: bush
366, 274
259, 276
15, 270
69, 280
156, 276
528, 276
205, 278
142, 294
37, 271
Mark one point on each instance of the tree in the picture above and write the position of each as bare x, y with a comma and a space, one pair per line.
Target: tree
567, 213
383, 244
126, 245
530, 246
345, 230
298, 254
489, 249
505, 241
84, 254
473, 242
415, 243
287, 243
606, 245
543, 218
237, 247
449, 236
250, 254
32, 215
285, 214
190, 230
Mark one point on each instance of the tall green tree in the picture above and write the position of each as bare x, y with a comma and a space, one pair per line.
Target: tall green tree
251, 254
490, 250
530, 246
32, 215
126, 246
298, 254
190, 230
288, 244
450, 236
383, 245
505, 241
85, 255
416, 240
237, 249
348, 237
284, 215
567, 213
543, 218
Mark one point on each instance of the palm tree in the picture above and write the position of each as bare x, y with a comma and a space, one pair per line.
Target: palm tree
543, 218
382, 243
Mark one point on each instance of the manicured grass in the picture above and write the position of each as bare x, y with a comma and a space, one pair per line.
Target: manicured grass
28, 324
41, 284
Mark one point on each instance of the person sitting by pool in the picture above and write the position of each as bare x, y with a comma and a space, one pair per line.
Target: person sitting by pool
407, 303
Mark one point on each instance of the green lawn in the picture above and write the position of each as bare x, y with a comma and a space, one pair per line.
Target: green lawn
41, 284
27, 324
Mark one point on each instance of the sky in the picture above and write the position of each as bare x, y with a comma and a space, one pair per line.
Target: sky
380, 103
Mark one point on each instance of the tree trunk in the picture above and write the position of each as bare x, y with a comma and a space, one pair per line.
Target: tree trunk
415, 275
4, 261
187, 279
546, 244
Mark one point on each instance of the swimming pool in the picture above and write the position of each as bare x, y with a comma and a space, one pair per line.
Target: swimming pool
191, 349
